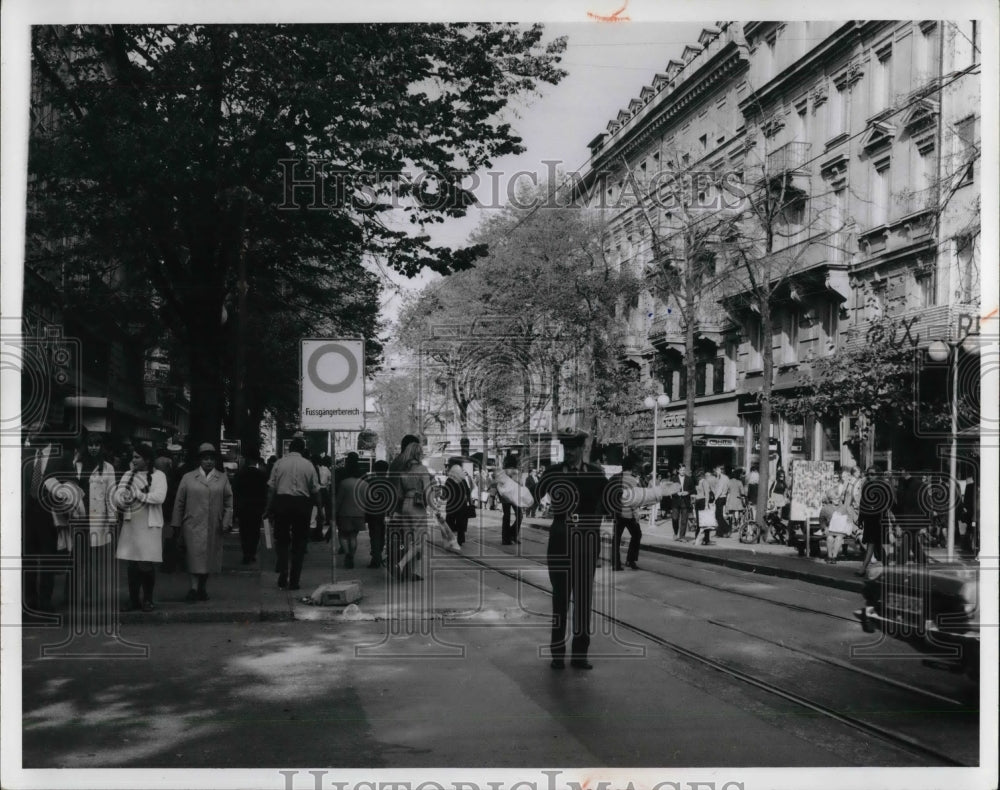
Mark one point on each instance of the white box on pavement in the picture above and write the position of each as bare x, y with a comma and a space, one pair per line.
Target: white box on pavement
337, 593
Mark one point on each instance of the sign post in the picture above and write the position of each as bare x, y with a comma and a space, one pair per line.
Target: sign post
333, 398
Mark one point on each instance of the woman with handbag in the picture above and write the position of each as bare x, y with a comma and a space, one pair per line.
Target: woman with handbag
458, 500
139, 499
838, 519
705, 507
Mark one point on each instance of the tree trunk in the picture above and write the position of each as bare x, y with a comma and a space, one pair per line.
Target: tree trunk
767, 353
205, 355
690, 363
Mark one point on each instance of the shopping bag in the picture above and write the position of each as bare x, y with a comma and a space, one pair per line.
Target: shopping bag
513, 493
268, 540
706, 518
840, 524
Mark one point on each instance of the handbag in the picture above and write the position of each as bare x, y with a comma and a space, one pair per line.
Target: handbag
706, 519
469, 511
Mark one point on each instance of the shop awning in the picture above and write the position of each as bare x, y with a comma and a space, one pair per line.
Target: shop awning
704, 436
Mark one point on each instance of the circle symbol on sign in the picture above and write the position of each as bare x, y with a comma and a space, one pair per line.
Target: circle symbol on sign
312, 368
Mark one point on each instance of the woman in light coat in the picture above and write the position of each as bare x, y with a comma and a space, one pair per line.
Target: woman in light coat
96, 478
203, 510
139, 499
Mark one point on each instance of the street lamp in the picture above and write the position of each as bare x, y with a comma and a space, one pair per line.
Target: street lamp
657, 403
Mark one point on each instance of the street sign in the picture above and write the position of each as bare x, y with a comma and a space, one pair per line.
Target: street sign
333, 384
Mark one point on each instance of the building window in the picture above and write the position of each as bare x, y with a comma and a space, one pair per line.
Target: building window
925, 60
801, 132
831, 325
703, 141
719, 375
880, 193
968, 276
882, 83
925, 288
756, 358
790, 338
966, 150
700, 372
838, 226
836, 109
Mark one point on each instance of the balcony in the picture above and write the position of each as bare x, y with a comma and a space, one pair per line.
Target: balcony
792, 158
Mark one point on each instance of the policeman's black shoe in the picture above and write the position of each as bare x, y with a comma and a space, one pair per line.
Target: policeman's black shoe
618, 567
557, 663
505, 542
632, 565
282, 582
191, 597
581, 663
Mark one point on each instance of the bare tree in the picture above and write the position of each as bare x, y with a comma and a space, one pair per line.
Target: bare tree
783, 229
688, 213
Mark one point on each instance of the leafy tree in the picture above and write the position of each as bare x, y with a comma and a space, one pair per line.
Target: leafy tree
172, 153
552, 295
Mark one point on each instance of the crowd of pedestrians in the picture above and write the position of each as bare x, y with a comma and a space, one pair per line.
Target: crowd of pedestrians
150, 512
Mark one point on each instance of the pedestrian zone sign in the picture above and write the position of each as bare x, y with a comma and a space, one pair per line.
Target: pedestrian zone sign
333, 384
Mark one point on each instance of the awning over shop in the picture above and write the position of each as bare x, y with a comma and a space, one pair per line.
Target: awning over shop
704, 436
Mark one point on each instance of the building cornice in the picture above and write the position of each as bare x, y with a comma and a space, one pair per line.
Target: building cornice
805, 68
712, 72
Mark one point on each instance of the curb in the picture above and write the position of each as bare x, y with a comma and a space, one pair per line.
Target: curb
849, 585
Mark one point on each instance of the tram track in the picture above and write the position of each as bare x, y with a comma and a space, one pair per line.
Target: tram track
855, 722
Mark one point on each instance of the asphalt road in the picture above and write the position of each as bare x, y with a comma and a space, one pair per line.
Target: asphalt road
471, 686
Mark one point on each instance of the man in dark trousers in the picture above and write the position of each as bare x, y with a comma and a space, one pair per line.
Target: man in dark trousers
291, 493
910, 518
578, 492
250, 495
627, 498
510, 524
680, 501
42, 460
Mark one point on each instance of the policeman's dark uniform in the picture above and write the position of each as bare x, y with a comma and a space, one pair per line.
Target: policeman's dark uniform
579, 502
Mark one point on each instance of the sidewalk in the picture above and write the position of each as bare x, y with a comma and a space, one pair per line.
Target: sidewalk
250, 593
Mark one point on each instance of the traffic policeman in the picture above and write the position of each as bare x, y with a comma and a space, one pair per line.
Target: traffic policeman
578, 492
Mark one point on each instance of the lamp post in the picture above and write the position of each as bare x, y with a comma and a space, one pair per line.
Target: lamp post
655, 404
940, 351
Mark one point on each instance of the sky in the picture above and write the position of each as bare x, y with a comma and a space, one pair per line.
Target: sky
607, 64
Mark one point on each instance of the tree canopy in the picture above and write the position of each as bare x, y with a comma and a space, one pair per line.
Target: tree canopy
163, 155
554, 302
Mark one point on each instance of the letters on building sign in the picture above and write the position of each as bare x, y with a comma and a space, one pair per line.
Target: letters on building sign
673, 421
900, 333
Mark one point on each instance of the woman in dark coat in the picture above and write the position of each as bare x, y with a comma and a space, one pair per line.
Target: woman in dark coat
458, 497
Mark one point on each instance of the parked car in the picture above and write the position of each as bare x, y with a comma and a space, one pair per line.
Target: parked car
936, 603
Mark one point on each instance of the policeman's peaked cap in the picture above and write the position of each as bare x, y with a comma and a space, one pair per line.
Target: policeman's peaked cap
570, 437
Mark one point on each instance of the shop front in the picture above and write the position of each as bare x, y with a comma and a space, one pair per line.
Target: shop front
717, 438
